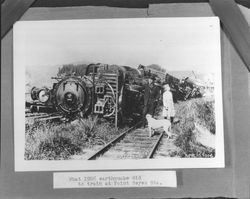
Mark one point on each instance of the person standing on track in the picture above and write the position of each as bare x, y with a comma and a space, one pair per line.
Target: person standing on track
168, 111
147, 93
151, 98
155, 97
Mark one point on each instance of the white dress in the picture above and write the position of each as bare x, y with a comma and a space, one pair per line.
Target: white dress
168, 105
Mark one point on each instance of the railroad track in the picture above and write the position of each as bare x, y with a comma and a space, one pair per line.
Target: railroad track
131, 144
29, 114
42, 116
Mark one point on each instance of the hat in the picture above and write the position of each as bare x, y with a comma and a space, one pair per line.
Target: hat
158, 80
166, 87
152, 77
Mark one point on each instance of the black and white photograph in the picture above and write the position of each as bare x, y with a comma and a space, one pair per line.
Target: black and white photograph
100, 94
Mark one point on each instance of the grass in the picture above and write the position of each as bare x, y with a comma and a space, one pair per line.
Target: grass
200, 110
205, 114
191, 112
48, 141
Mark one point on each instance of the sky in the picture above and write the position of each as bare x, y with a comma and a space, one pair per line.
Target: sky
173, 43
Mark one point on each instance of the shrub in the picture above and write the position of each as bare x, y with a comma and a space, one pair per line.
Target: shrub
196, 151
58, 148
52, 142
46, 141
186, 137
205, 114
189, 113
200, 110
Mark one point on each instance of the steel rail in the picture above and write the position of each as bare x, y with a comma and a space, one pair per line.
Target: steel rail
111, 143
152, 152
29, 115
43, 116
49, 118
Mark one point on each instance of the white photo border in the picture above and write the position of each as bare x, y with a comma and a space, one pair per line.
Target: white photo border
61, 165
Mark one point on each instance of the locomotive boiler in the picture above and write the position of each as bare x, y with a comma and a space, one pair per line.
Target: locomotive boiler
111, 91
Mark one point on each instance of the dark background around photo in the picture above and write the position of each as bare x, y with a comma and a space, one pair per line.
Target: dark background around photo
231, 181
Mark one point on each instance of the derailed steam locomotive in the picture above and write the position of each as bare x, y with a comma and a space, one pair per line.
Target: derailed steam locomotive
111, 91
107, 90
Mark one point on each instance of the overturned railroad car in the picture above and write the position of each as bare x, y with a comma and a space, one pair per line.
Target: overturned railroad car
182, 89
